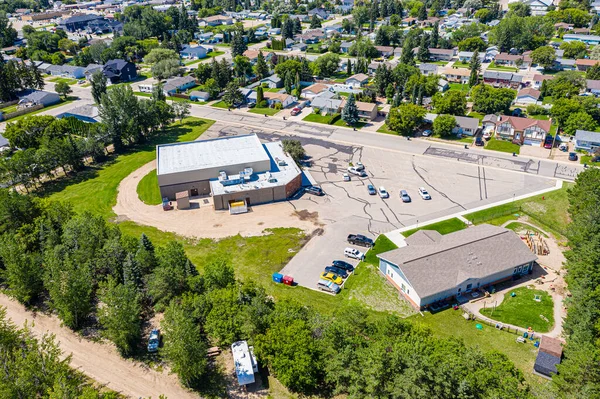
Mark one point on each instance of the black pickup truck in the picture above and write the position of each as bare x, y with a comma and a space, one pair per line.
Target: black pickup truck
358, 239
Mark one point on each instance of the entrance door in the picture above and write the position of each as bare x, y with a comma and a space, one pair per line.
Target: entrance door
194, 192
248, 201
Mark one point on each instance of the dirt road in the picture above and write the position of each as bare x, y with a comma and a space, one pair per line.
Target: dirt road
100, 361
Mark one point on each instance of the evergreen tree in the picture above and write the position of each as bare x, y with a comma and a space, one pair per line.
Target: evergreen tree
350, 111
435, 35
131, 272
397, 100
407, 56
238, 44
423, 53
259, 95
98, 86
261, 69
475, 66
422, 12
315, 22
297, 86
420, 96
349, 68
288, 82
297, 26
233, 95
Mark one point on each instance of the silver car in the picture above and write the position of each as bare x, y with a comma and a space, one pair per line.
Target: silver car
404, 196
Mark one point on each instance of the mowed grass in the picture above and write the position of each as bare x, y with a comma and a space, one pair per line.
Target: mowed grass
524, 311
318, 118
443, 227
69, 81
263, 111
60, 104
502, 146
385, 129
95, 189
147, 189
220, 104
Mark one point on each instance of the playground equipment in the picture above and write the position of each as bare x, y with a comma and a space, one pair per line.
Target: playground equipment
537, 298
479, 326
536, 243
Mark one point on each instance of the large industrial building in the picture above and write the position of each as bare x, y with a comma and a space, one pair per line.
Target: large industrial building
238, 170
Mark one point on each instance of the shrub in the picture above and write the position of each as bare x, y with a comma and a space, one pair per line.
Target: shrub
263, 104
316, 110
535, 109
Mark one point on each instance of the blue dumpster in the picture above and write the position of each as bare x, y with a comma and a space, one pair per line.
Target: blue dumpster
277, 277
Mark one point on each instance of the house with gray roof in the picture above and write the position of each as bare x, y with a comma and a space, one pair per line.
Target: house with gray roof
434, 267
86, 113
31, 98
178, 84
587, 140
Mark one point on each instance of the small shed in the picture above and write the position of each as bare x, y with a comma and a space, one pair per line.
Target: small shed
545, 364
551, 346
183, 200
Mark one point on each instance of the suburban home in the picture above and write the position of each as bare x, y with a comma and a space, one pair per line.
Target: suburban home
410, 21
300, 17
319, 12
67, 71
565, 64
78, 22
583, 64
548, 357
539, 79
502, 79
372, 67
366, 111
586, 140
31, 98
345, 47
595, 7
203, 37
178, 84
440, 54
90, 69
592, 40
465, 125
314, 90
511, 60
86, 113
253, 55
428, 69
193, 53
327, 102
119, 71
299, 47
522, 131
385, 51
357, 80
563, 26
274, 31
434, 267
273, 82
101, 26
217, 20
465, 56
592, 86
527, 96
538, 7
457, 75
273, 98
199, 96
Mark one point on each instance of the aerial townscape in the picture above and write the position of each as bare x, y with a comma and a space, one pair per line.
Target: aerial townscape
300, 199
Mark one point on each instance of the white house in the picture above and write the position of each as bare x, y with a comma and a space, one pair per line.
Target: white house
357, 80
586, 140
527, 96
434, 267
539, 7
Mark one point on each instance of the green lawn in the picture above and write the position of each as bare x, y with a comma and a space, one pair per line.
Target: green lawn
209, 55
177, 99
443, 227
95, 189
539, 117
523, 310
502, 145
494, 67
68, 81
359, 125
262, 111
477, 115
147, 189
9, 109
60, 104
547, 210
273, 90
459, 87
547, 100
220, 104
386, 130
522, 227
587, 159
318, 118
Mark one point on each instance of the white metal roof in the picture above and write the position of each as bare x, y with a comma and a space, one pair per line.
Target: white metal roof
243, 361
214, 153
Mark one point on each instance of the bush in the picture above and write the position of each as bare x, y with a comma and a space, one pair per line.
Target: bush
534, 109
265, 85
278, 106
316, 110
263, 104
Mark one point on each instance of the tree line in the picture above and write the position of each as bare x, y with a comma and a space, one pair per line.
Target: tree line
17, 76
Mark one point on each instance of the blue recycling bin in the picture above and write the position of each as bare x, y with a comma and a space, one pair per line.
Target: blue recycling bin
277, 277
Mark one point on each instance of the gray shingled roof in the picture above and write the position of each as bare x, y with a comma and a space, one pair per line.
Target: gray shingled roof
433, 264
545, 363
586, 135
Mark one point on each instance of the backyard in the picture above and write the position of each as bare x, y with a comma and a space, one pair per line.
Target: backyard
527, 308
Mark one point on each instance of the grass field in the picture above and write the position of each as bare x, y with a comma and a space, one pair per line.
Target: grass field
210, 54
494, 67
459, 87
220, 104
523, 311
147, 189
68, 81
95, 189
262, 111
443, 227
502, 146
587, 159
9, 109
318, 118
477, 115
519, 227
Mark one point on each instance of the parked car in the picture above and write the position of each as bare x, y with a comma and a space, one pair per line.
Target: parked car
404, 196
81, 81
359, 166
573, 156
563, 147
314, 190
479, 141
296, 111
357, 172
343, 265
359, 239
154, 341
371, 190
383, 192
328, 286
334, 278
336, 270
354, 253
427, 133
251, 105
424, 193
346, 177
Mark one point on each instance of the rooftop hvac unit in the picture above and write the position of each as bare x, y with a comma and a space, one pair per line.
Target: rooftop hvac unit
281, 162
222, 175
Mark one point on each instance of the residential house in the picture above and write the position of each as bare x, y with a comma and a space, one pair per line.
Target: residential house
398, 52
428, 69
432, 267
101, 26
178, 84
314, 90
119, 71
217, 20
584, 64
193, 53
538, 79
273, 98
86, 113
253, 55
273, 82
464, 125
457, 75
592, 86
587, 141
565, 64
204, 37
502, 79
366, 111
372, 67
67, 71
274, 31
528, 96
512, 60
199, 96
345, 47
78, 22
299, 47
410, 21
319, 12
465, 56
327, 102
385, 51
90, 69
539, 7
522, 131
563, 25
595, 7
357, 80
301, 17
581, 31
440, 54
592, 40
30, 98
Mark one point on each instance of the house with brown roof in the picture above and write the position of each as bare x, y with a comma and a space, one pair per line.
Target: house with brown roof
592, 86
433, 267
385, 51
314, 90
253, 55
527, 96
457, 75
357, 80
511, 60
583, 64
522, 131
538, 79
366, 111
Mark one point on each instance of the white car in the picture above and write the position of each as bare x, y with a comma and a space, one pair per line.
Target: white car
357, 172
360, 166
383, 192
354, 253
346, 177
424, 194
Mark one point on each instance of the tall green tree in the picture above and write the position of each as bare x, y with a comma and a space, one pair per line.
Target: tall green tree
63, 89
350, 111
406, 118
261, 69
315, 22
423, 53
238, 44
98, 86
260, 97
435, 35
475, 67
443, 125
233, 95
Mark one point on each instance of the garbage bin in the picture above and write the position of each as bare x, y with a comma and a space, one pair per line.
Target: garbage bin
288, 280
277, 277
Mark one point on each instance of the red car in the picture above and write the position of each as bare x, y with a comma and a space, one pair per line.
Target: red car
296, 111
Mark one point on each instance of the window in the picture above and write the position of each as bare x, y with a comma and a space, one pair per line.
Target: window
459, 289
403, 287
469, 286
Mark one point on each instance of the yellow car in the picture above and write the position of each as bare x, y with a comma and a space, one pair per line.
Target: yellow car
332, 277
